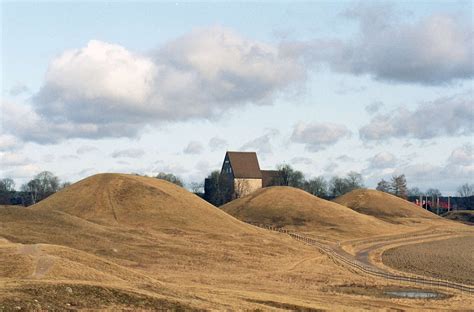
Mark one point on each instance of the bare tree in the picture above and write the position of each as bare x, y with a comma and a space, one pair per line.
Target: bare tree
399, 186
414, 191
340, 186
466, 190
32, 188
48, 183
383, 186
287, 176
354, 180
196, 187
317, 186
170, 178
433, 192
7, 185
41, 186
7, 190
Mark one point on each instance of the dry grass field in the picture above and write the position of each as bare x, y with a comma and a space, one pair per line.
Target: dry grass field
121, 242
386, 207
464, 216
450, 259
294, 209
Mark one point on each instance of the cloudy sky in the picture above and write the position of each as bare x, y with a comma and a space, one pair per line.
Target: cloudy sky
381, 88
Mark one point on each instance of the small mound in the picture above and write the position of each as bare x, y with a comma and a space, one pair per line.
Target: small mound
384, 206
293, 208
33, 295
138, 201
464, 216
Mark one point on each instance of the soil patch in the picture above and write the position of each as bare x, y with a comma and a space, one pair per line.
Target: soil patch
450, 259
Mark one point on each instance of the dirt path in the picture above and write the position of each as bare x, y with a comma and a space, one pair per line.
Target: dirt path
354, 245
43, 262
364, 254
346, 259
298, 263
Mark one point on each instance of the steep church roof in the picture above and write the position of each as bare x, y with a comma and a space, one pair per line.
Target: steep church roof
244, 165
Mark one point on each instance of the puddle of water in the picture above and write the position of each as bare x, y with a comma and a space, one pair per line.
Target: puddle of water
413, 294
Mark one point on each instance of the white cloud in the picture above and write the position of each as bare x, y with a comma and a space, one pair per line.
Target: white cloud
217, 143
261, 144
104, 90
448, 116
48, 158
27, 171
10, 159
447, 176
173, 168
69, 157
128, 153
25, 123
331, 168
318, 136
344, 88
193, 147
86, 149
463, 155
344, 158
18, 89
8, 142
374, 107
301, 160
382, 160
436, 49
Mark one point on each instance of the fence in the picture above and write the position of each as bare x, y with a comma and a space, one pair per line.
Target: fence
370, 270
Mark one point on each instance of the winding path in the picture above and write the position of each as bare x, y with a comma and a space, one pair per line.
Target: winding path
363, 264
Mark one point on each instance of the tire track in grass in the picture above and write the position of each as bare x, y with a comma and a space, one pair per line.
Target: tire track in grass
43, 262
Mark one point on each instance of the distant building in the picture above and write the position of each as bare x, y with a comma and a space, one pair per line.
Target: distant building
241, 175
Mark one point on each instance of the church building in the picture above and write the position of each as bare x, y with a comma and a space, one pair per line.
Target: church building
241, 174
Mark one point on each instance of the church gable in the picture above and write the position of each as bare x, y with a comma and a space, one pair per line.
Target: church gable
243, 165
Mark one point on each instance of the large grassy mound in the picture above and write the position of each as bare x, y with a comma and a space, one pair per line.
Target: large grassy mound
293, 208
121, 242
385, 207
142, 202
138, 240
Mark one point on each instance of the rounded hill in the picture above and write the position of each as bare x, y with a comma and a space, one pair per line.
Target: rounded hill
138, 201
384, 206
293, 208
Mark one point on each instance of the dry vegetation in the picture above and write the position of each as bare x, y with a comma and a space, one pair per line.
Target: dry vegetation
298, 210
464, 216
451, 259
386, 207
125, 242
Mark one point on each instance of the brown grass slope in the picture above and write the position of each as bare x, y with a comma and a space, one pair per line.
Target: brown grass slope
121, 242
450, 258
112, 199
117, 230
52, 262
386, 207
29, 271
292, 208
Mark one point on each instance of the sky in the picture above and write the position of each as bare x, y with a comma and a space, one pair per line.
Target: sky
329, 87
